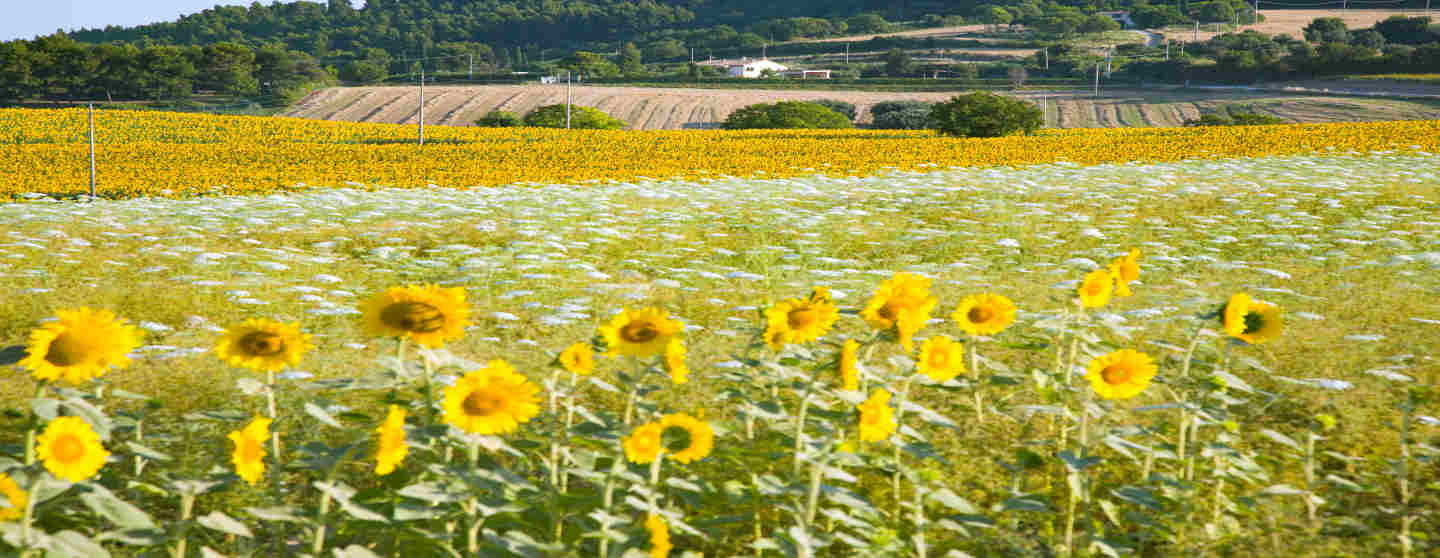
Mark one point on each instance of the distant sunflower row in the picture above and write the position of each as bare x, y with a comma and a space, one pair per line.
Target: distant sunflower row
45, 151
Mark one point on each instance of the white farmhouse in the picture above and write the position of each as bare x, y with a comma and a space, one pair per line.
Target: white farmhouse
754, 68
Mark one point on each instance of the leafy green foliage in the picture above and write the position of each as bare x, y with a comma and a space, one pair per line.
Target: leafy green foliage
553, 116
912, 118
1235, 118
500, 119
985, 115
845, 109
785, 114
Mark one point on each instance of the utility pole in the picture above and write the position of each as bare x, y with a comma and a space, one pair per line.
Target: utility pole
567, 99
847, 43
692, 55
1167, 48
1107, 62
471, 58
422, 104
1097, 80
1196, 38
1046, 50
92, 152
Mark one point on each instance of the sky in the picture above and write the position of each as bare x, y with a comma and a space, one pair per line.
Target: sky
27, 19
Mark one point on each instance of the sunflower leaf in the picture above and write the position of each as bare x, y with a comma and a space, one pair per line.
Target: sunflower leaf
321, 415
70, 543
250, 386
218, 521
121, 513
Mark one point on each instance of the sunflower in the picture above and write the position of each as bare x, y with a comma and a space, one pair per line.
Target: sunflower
492, 400
578, 359
902, 302
675, 361
263, 345
1122, 289
1128, 266
686, 438
392, 449
800, 320
1122, 374
1095, 289
429, 315
1252, 321
70, 449
642, 333
877, 419
850, 365
16, 499
250, 449
643, 444
984, 314
941, 358
659, 536
81, 345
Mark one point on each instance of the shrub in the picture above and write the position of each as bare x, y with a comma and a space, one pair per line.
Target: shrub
785, 114
985, 115
553, 116
1235, 119
883, 107
845, 109
909, 118
500, 119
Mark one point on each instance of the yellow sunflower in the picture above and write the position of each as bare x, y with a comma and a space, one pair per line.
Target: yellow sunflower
250, 449
1252, 321
877, 419
643, 444
800, 320
263, 345
984, 314
941, 358
70, 449
902, 302
15, 497
1122, 374
642, 333
492, 400
686, 438
391, 449
1122, 289
1128, 266
578, 358
675, 361
1095, 289
81, 345
429, 315
659, 536
850, 365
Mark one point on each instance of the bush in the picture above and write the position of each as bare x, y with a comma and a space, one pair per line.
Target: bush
501, 119
553, 116
1235, 119
911, 118
985, 115
785, 114
845, 109
883, 107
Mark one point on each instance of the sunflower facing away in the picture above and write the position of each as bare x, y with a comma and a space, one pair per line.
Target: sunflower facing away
984, 314
1095, 289
81, 345
675, 361
800, 320
1122, 374
1252, 321
492, 400
902, 302
1126, 270
941, 358
659, 536
15, 499
429, 315
1122, 289
263, 345
391, 448
877, 419
850, 365
578, 359
250, 449
642, 333
70, 449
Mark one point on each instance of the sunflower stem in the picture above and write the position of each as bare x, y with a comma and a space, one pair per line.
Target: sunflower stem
270, 408
609, 500
920, 546
555, 439
34, 424
896, 439
187, 507
975, 379
800, 424
429, 387
27, 517
655, 481
472, 535
319, 544
812, 502
569, 422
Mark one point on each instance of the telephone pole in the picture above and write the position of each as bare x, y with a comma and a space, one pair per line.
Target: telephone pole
422, 104
92, 152
1097, 80
567, 99
1196, 38
471, 58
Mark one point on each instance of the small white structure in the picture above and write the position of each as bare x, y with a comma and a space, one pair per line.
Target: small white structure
754, 68
806, 74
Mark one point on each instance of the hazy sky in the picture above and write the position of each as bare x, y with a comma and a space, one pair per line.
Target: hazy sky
25, 19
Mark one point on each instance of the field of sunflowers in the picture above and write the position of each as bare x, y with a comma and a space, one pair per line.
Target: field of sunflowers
1177, 355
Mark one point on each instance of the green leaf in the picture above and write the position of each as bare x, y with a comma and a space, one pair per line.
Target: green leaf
434, 492
355, 551
250, 386
1282, 439
12, 354
1025, 503
321, 415
134, 537
45, 408
953, 501
146, 452
121, 513
278, 513
97, 419
218, 521
70, 543
1077, 463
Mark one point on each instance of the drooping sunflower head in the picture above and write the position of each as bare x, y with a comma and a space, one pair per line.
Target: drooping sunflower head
1122, 374
1129, 266
263, 345
984, 314
1122, 288
675, 361
391, 448
1252, 321
800, 320
429, 315
641, 333
250, 449
81, 345
16, 499
492, 400
902, 302
643, 444
659, 536
686, 438
1096, 287
850, 365
578, 359
877, 418
70, 449
941, 358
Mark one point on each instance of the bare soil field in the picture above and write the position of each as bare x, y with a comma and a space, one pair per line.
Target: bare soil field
1293, 22
647, 108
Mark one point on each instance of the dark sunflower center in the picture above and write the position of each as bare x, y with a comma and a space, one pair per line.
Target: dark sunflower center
1116, 374
69, 349
67, 449
980, 315
639, 332
481, 404
675, 439
416, 317
262, 343
892, 308
802, 318
1253, 322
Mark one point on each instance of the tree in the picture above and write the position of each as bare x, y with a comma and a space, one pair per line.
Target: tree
228, 68
630, 64
995, 16
1327, 30
908, 118
867, 23
581, 117
985, 115
1407, 30
667, 48
1017, 76
785, 114
898, 63
362, 71
589, 64
1096, 23
844, 108
15, 80
1368, 38
502, 119
1155, 17
168, 73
